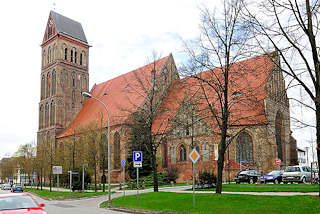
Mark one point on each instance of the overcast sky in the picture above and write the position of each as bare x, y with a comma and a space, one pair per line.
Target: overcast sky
122, 35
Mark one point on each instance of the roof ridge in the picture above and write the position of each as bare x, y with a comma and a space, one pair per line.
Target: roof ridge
270, 54
51, 11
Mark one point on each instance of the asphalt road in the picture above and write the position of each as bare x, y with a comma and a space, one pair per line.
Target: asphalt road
83, 206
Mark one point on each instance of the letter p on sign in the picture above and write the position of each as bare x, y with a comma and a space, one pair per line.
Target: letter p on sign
137, 156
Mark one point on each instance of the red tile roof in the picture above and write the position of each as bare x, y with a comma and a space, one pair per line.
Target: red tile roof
122, 96
248, 77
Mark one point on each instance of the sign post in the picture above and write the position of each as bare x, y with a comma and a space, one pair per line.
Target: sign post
34, 176
123, 163
83, 168
70, 179
137, 163
57, 170
194, 156
278, 162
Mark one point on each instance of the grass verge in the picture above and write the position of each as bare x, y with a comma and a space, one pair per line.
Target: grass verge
151, 187
225, 203
54, 195
267, 188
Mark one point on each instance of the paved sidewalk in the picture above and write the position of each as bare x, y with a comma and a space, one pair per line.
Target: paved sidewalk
60, 189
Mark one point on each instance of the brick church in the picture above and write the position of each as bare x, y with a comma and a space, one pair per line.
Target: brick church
73, 125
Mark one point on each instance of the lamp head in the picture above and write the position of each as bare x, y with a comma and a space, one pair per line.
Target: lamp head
86, 94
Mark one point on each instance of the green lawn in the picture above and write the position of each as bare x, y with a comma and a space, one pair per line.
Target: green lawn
151, 187
225, 203
63, 195
267, 188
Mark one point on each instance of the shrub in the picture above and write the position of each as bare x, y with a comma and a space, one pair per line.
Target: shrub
148, 181
172, 173
207, 179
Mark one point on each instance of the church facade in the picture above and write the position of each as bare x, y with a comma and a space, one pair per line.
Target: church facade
76, 127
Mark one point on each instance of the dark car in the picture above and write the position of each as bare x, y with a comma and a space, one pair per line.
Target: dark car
16, 188
19, 203
248, 176
274, 176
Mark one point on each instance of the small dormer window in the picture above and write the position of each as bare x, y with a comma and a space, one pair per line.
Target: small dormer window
127, 86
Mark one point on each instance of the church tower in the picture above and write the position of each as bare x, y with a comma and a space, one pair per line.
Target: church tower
64, 74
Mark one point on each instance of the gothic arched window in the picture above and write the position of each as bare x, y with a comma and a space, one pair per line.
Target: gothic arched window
46, 115
116, 151
66, 54
244, 147
279, 136
182, 153
75, 57
81, 59
41, 117
53, 83
71, 56
48, 85
73, 80
52, 113
43, 83
173, 154
49, 55
205, 152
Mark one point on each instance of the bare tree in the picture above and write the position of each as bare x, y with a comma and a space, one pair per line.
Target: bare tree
292, 28
151, 85
212, 65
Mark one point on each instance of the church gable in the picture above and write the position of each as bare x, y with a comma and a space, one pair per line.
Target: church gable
50, 31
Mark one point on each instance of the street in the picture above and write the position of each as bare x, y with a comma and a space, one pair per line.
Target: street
81, 206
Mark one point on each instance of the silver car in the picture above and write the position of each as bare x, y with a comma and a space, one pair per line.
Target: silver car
300, 174
6, 186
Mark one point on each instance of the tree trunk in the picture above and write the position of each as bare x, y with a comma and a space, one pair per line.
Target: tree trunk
155, 172
318, 130
221, 163
95, 178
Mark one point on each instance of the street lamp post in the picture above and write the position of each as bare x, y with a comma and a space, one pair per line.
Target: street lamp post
86, 94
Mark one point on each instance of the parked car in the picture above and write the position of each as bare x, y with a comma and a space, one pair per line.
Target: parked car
6, 186
300, 174
16, 188
21, 203
274, 176
248, 176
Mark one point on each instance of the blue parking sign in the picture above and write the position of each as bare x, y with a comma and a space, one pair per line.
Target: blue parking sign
123, 162
137, 156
